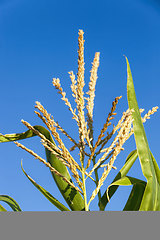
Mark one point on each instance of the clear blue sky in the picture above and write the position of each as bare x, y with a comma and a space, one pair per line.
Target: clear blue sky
38, 41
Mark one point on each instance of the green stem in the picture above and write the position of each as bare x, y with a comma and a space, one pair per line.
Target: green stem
97, 180
84, 191
84, 181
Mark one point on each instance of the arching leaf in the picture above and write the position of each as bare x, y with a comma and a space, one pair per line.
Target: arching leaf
124, 170
136, 195
70, 194
2, 209
11, 202
53, 200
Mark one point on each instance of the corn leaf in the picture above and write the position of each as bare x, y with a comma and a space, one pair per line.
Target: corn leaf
2, 209
150, 169
11, 202
70, 194
135, 198
136, 195
122, 173
53, 200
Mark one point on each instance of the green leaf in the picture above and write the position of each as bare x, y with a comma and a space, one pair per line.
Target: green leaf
53, 200
70, 194
11, 202
135, 198
150, 169
2, 209
124, 170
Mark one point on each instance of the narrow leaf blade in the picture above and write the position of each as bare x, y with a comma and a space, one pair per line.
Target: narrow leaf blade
152, 190
124, 170
2, 209
135, 198
136, 195
53, 200
11, 202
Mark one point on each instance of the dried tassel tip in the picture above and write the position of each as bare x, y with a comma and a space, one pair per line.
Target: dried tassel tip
57, 85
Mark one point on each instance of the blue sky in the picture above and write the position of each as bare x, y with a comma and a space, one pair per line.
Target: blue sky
38, 41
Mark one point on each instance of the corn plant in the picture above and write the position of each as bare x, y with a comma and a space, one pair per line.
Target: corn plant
96, 157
